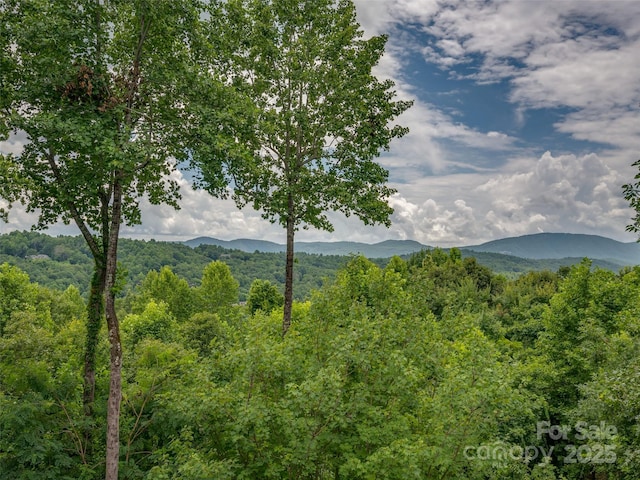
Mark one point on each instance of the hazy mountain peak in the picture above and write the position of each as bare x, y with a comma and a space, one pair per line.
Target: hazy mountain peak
534, 246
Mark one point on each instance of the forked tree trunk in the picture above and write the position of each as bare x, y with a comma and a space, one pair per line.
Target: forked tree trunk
115, 363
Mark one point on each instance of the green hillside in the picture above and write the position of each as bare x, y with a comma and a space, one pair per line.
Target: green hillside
385, 249
543, 246
58, 262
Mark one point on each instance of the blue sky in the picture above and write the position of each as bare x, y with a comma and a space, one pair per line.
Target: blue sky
527, 115
526, 119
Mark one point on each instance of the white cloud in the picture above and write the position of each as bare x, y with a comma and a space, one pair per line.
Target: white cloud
564, 193
580, 74
14, 144
576, 54
200, 214
421, 149
617, 127
497, 29
567, 191
432, 223
375, 17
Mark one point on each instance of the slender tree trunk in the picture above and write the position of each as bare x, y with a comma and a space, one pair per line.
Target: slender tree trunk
95, 307
288, 282
95, 312
115, 364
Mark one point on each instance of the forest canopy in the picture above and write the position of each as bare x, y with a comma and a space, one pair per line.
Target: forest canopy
428, 367
57, 262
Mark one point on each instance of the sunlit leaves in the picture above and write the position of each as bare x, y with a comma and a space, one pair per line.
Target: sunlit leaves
264, 296
218, 289
631, 192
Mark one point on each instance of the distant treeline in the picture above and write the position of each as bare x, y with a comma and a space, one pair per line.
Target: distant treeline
57, 262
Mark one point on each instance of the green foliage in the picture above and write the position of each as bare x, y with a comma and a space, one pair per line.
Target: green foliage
167, 287
68, 306
218, 289
371, 380
320, 115
359, 388
141, 257
631, 192
40, 382
316, 116
17, 294
156, 366
523, 303
580, 318
206, 333
264, 296
447, 284
388, 373
610, 342
154, 322
81, 86
104, 114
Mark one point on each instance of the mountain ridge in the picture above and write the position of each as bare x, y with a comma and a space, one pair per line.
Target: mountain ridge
384, 249
560, 245
534, 246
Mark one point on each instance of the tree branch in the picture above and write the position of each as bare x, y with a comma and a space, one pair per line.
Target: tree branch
89, 238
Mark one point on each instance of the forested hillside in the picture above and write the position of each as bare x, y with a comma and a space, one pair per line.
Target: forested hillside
433, 367
539, 246
57, 262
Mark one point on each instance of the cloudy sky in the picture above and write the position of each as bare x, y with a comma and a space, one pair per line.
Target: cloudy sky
526, 119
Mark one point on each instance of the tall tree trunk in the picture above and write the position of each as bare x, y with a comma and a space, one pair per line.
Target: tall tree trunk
288, 281
95, 306
95, 312
115, 364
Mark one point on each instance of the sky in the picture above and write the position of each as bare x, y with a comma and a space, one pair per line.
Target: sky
526, 119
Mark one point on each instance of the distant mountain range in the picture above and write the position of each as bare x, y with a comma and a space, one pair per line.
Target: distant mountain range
385, 249
537, 246
562, 245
